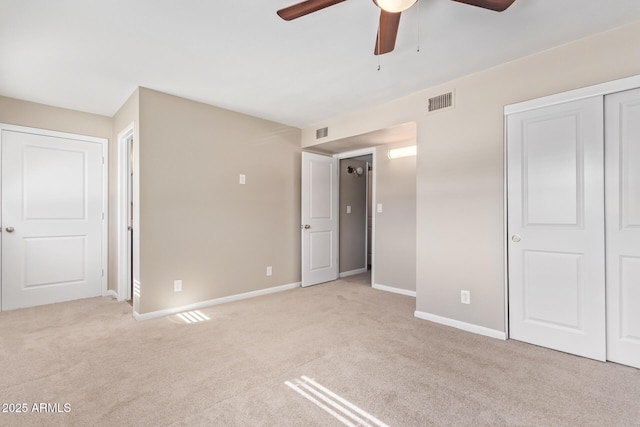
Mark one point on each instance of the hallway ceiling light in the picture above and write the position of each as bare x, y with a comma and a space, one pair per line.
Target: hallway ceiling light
397, 153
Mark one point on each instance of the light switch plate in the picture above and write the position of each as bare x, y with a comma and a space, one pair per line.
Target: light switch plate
243, 179
379, 208
177, 286
348, 209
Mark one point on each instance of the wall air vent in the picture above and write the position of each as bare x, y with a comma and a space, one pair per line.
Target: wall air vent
322, 133
441, 102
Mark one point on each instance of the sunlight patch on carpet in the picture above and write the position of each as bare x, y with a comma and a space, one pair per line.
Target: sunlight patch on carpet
194, 316
340, 408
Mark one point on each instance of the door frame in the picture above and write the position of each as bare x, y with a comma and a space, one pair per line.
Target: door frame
123, 255
358, 153
601, 89
104, 144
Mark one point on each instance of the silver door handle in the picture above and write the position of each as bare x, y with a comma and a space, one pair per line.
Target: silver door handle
306, 226
9, 229
516, 238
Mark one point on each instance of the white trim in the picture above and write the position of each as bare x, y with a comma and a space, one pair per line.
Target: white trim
574, 95
374, 192
366, 214
355, 153
46, 132
353, 272
394, 290
104, 142
122, 212
217, 301
105, 216
505, 231
469, 327
135, 298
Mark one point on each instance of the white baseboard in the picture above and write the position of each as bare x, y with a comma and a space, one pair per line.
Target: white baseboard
353, 272
111, 293
469, 327
394, 290
203, 304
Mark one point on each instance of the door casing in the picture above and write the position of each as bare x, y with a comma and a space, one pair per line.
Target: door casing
125, 266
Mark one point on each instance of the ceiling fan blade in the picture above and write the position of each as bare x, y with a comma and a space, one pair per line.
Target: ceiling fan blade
497, 5
387, 32
304, 8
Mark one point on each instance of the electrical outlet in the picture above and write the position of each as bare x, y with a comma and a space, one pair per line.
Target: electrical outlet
177, 286
465, 297
269, 270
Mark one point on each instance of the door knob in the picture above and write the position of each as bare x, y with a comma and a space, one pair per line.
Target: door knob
9, 229
516, 238
306, 226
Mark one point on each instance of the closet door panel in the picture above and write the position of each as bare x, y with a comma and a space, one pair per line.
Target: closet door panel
555, 161
622, 153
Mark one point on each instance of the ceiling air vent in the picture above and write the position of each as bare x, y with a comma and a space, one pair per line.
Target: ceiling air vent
441, 102
322, 133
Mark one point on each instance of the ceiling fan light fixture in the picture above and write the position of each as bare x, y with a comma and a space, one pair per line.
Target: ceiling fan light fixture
394, 6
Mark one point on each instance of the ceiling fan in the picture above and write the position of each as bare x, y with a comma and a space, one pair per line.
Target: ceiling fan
390, 11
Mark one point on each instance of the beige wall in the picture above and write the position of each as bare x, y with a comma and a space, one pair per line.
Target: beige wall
24, 113
353, 232
196, 222
395, 227
460, 165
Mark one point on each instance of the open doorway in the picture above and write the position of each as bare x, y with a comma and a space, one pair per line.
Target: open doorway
355, 215
126, 205
392, 196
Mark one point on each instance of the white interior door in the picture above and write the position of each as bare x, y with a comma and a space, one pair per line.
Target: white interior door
622, 124
319, 219
52, 210
556, 227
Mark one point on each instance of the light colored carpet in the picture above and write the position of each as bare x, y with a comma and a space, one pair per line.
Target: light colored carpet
361, 343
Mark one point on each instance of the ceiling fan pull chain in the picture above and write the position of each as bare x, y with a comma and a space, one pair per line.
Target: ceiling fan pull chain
418, 26
378, 47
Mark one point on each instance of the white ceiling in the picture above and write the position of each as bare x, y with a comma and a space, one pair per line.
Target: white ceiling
91, 55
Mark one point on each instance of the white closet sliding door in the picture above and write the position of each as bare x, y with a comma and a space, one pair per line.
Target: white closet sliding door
622, 124
574, 209
556, 227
